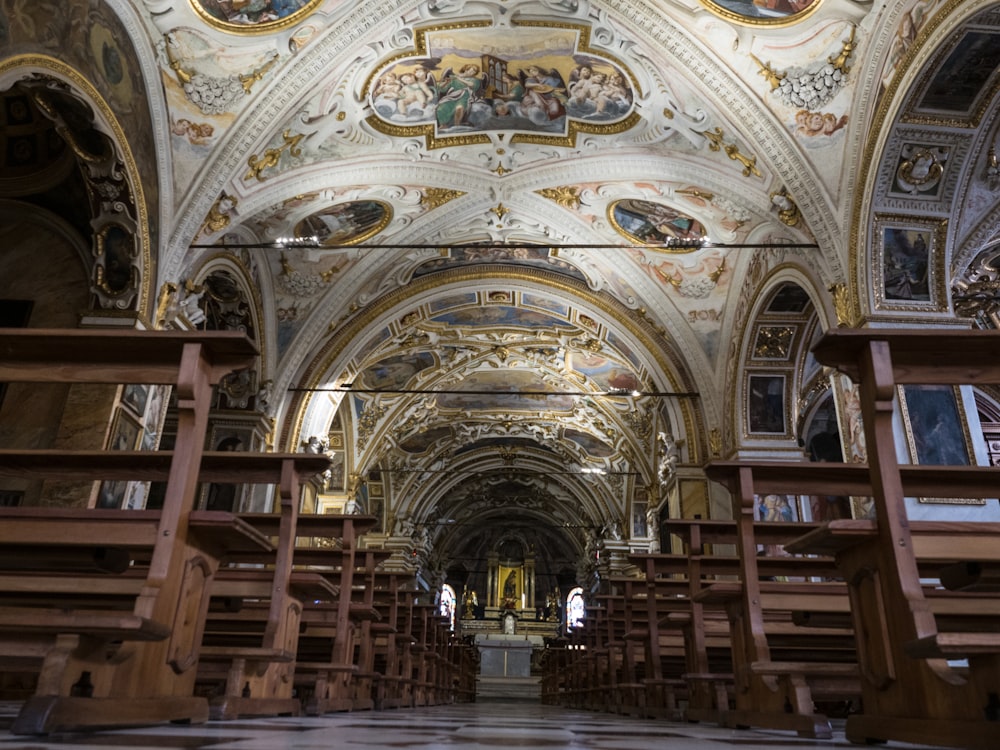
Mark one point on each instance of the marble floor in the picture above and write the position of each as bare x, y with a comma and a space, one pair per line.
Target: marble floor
478, 726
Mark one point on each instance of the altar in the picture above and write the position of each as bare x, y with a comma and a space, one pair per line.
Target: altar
505, 667
502, 655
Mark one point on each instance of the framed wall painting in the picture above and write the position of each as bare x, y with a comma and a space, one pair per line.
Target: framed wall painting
937, 432
765, 404
909, 263
640, 528
135, 396
112, 494
124, 432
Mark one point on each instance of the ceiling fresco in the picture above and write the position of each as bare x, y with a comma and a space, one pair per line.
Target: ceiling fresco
505, 257
535, 81
259, 16
760, 12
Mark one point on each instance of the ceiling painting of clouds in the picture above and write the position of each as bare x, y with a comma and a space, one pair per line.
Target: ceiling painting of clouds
543, 83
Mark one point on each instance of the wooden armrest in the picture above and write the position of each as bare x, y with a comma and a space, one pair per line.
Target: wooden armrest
361, 612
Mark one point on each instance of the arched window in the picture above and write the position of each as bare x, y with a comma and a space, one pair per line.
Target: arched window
448, 601
576, 611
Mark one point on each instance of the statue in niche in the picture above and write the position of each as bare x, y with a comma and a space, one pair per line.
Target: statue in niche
510, 590
669, 456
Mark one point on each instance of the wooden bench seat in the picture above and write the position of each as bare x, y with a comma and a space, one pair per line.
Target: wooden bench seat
758, 622
906, 630
275, 591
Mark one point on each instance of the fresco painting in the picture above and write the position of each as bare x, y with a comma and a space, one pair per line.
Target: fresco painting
532, 80
510, 387
499, 315
761, 11
521, 255
906, 263
253, 14
963, 76
457, 300
345, 223
395, 372
424, 441
651, 223
589, 443
607, 373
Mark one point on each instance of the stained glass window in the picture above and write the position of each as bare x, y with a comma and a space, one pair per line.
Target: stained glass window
448, 602
576, 611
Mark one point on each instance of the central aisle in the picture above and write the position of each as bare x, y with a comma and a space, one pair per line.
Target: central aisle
479, 726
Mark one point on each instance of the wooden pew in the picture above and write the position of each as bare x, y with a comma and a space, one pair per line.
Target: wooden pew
911, 692
135, 533
676, 614
259, 659
326, 664
136, 667
391, 591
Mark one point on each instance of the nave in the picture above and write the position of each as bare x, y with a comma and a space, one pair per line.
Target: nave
470, 726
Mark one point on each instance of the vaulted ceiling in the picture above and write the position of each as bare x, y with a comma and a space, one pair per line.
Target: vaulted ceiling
493, 250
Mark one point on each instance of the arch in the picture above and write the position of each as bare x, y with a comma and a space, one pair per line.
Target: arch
127, 223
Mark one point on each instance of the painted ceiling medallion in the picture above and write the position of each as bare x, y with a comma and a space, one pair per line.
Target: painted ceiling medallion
253, 16
345, 223
541, 82
649, 223
757, 12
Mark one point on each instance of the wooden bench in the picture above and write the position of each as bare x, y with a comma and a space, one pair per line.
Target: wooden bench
676, 611
128, 676
911, 692
259, 663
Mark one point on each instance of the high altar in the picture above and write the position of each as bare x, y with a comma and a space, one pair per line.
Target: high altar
509, 628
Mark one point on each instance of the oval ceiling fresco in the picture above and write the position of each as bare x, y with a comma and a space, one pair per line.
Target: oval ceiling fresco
544, 83
651, 223
345, 223
253, 16
762, 11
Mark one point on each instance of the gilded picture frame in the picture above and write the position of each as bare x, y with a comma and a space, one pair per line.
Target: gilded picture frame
937, 431
766, 399
909, 263
514, 575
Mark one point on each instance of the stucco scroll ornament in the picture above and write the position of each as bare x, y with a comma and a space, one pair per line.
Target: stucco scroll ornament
921, 168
